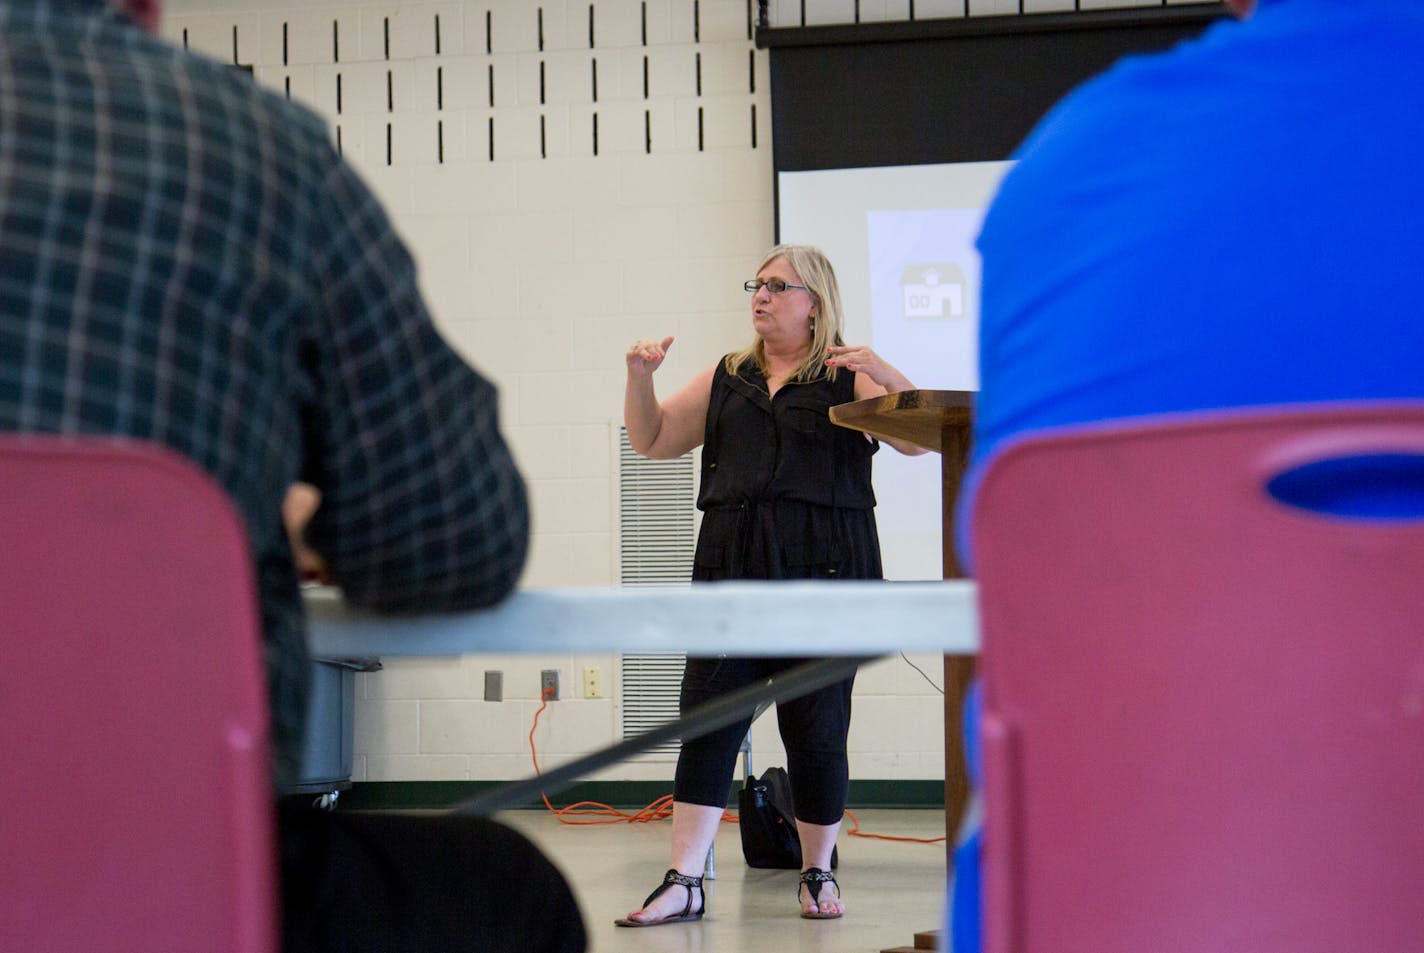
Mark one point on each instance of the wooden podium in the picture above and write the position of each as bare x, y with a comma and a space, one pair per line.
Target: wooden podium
937, 420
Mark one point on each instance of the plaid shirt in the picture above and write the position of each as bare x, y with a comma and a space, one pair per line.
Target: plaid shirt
184, 259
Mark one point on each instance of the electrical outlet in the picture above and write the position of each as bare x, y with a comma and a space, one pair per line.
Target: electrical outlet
592, 683
494, 686
549, 684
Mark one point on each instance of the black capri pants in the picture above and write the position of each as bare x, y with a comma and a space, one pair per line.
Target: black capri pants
813, 728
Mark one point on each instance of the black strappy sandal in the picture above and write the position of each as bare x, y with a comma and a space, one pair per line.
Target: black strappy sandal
671, 879
813, 878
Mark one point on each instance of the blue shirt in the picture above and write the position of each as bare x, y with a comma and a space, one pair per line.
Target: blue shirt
1238, 221
185, 259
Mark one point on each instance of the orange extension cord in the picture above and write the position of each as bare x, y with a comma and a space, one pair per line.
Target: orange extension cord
662, 807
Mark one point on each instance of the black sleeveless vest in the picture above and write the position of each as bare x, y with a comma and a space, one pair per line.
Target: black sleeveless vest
759, 448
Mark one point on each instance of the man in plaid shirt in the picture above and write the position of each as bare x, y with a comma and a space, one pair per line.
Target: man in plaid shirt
185, 259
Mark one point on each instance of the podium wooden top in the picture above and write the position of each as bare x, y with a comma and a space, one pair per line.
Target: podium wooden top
918, 416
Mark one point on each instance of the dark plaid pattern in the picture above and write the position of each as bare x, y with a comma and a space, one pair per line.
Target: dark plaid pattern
184, 259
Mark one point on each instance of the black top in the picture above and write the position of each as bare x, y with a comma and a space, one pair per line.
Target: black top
785, 493
759, 447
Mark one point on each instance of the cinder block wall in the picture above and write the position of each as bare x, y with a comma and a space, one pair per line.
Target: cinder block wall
570, 176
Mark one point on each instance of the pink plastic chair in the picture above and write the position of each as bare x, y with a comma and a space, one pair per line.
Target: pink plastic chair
134, 767
1203, 666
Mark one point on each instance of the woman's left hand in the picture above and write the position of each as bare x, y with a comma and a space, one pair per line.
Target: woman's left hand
862, 360
874, 377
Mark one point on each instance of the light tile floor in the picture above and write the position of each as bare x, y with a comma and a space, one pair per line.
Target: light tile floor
893, 889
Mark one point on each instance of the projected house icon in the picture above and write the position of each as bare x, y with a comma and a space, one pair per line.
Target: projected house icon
933, 291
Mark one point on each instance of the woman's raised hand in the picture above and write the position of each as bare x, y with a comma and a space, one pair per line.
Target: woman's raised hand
644, 357
863, 360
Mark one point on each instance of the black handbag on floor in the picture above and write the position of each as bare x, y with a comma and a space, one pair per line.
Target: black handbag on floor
768, 822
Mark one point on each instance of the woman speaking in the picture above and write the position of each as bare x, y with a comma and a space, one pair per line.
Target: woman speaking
785, 494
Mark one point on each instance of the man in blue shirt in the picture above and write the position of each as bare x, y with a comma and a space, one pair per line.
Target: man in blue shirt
1238, 221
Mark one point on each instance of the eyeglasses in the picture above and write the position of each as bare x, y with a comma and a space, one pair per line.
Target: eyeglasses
775, 285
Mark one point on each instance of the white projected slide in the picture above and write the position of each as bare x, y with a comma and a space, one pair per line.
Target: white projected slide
902, 242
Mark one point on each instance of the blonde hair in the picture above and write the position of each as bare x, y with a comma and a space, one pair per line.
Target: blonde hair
820, 280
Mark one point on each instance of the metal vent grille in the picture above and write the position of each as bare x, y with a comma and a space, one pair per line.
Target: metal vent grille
657, 532
656, 518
